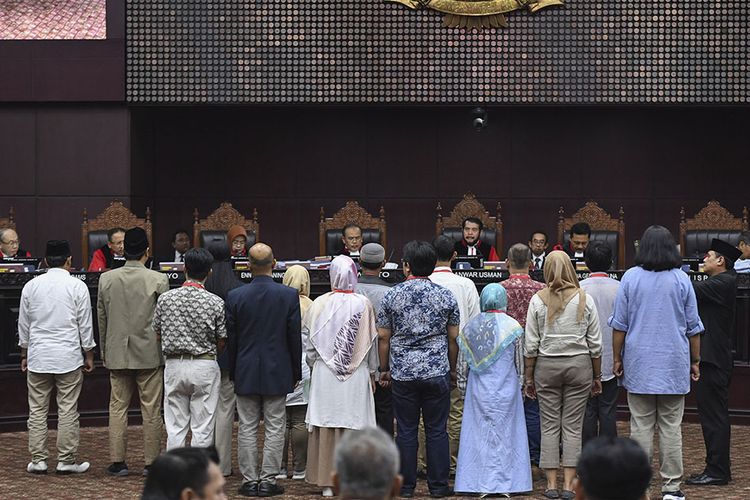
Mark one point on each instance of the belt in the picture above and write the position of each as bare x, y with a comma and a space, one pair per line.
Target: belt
212, 357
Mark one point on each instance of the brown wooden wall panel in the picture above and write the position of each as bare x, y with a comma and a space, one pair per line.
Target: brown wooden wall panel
651, 161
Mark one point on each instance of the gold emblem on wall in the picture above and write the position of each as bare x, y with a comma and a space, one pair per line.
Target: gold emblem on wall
477, 14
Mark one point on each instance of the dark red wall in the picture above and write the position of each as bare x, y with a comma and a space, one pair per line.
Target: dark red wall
288, 162
56, 161
66, 70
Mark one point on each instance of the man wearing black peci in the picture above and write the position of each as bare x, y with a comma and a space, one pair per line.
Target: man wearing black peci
716, 307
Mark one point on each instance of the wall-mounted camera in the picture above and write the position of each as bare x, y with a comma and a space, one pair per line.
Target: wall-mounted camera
479, 118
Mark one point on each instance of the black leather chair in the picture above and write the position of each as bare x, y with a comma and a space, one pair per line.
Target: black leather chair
698, 242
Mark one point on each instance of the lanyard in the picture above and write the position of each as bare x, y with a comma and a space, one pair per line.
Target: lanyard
495, 311
598, 275
342, 291
443, 271
193, 284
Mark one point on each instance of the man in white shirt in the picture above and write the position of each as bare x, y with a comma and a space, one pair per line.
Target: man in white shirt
538, 243
742, 265
601, 410
54, 324
468, 305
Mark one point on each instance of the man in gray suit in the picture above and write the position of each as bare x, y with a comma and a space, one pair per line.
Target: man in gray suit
131, 350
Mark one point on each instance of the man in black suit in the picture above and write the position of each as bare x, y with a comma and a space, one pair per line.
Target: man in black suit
716, 307
265, 363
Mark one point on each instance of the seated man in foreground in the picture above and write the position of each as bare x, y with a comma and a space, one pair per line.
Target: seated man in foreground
367, 464
612, 468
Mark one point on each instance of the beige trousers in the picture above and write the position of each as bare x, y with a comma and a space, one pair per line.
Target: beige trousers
225, 423
563, 385
40, 387
664, 410
150, 385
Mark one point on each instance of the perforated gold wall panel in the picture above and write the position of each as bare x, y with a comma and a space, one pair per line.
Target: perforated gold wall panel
369, 51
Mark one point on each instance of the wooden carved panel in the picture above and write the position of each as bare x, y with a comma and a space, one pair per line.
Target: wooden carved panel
594, 216
469, 206
714, 216
10, 221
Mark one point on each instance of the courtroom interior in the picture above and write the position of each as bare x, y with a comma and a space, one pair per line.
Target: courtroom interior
317, 128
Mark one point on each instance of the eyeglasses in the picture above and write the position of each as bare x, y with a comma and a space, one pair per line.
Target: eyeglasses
12, 242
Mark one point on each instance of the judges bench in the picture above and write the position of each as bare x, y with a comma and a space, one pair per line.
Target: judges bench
95, 395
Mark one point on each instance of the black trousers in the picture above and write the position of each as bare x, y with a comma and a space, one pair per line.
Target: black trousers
384, 409
601, 413
712, 395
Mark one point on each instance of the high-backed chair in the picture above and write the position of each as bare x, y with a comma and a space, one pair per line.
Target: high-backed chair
10, 221
712, 221
329, 228
469, 206
603, 228
214, 228
94, 232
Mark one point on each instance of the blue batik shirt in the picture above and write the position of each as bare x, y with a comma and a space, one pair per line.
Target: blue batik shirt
418, 313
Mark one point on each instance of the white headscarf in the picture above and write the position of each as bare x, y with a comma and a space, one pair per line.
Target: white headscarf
343, 332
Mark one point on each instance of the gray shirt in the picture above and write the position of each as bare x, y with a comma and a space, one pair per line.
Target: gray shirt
603, 290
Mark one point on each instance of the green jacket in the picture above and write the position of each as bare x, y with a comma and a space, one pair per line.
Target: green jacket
125, 306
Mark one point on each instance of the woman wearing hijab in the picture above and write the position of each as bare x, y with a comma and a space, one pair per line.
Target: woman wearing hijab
494, 452
340, 352
298, 278
237, 239
563, 366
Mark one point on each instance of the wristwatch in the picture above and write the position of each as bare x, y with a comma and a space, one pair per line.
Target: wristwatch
383, 370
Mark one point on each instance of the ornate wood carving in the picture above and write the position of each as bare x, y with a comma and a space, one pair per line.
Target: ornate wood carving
469, 206
711, 217
351, 213
115, 215
10, 221
222, 219
599, 220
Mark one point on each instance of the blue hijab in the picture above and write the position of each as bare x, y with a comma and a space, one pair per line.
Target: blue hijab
486, 336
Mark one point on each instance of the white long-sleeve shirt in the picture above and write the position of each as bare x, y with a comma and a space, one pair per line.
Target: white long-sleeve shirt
54, 322
467, 297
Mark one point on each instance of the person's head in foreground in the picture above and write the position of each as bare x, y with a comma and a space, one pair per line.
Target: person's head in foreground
367, 464
612, 468
185, 474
